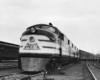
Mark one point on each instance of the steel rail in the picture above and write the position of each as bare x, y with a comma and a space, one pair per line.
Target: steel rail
91, 72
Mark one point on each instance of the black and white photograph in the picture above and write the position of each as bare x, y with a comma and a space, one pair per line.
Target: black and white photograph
49, 40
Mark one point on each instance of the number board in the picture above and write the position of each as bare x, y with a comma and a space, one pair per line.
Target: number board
31, 46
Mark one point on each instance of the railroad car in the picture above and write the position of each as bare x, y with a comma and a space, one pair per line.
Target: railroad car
87, 56
43, 46
8, 51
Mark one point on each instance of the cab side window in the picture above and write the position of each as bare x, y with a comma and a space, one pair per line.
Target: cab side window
61, 36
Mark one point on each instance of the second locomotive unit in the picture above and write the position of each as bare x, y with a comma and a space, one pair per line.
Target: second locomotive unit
44, 46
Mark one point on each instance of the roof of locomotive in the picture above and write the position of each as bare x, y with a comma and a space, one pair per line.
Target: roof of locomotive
42, 25
50, 25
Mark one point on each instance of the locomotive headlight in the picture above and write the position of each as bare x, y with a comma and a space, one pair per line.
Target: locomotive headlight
31, 39
33, 30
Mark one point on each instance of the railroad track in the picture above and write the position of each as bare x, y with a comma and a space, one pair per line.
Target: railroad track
21, 76
40, 76
94, 77
4, 68
7, 66
76, 72
96, 65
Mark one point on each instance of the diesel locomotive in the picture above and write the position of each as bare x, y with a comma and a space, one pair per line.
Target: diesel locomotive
43, 46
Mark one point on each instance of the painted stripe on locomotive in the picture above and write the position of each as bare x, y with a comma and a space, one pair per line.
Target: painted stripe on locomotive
36, 55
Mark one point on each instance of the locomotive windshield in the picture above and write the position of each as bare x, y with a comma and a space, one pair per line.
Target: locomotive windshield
48, 28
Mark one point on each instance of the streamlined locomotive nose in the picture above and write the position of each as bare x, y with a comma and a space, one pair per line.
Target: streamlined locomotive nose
33, 64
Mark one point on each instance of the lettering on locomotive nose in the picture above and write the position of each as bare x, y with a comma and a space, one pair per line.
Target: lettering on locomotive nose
31, 39
31, 46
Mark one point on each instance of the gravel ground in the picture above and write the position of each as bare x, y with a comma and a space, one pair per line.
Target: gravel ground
78, 71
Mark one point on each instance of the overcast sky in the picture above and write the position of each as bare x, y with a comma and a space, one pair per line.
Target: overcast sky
79, 20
